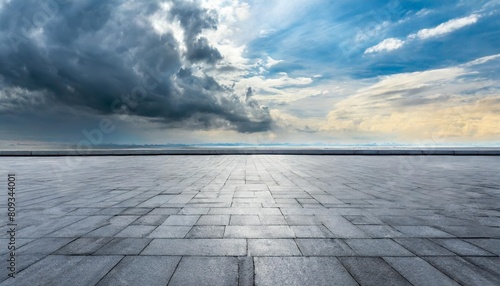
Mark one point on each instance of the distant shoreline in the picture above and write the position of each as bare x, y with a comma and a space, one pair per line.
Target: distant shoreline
401, 151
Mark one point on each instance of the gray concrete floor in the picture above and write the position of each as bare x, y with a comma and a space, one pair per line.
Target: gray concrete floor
254, 220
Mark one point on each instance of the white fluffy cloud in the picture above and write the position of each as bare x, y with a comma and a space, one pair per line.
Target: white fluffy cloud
445, 28
386, 45
452, 25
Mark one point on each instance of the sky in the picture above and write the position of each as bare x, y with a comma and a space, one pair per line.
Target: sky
258, 72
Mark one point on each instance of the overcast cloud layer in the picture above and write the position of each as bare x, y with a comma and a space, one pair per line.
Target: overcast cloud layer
200, 71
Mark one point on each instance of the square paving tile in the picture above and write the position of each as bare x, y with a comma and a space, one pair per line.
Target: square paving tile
123, 246
462, 247
273, 247
181, 220
206, 231
197, 247
377, 247
490, 244
373, 271
170, 231
66, 270
213, 220
244, 220
311, 231
272, 220
142, 270
463, 271
136, 231
342, 228
324, 247
421, 231
423, 247
362, 219
206, 271
380, 231
489, 264
302, 220
270, 231
83, 246
151, 220
301, 271
419, 272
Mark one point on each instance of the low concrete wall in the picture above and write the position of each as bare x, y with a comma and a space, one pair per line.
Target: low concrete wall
369, 152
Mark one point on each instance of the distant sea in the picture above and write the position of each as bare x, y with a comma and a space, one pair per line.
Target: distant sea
59, 146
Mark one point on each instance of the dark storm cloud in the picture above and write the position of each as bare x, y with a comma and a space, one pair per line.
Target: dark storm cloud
105, 58
200, 50
249, 93
194, 20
